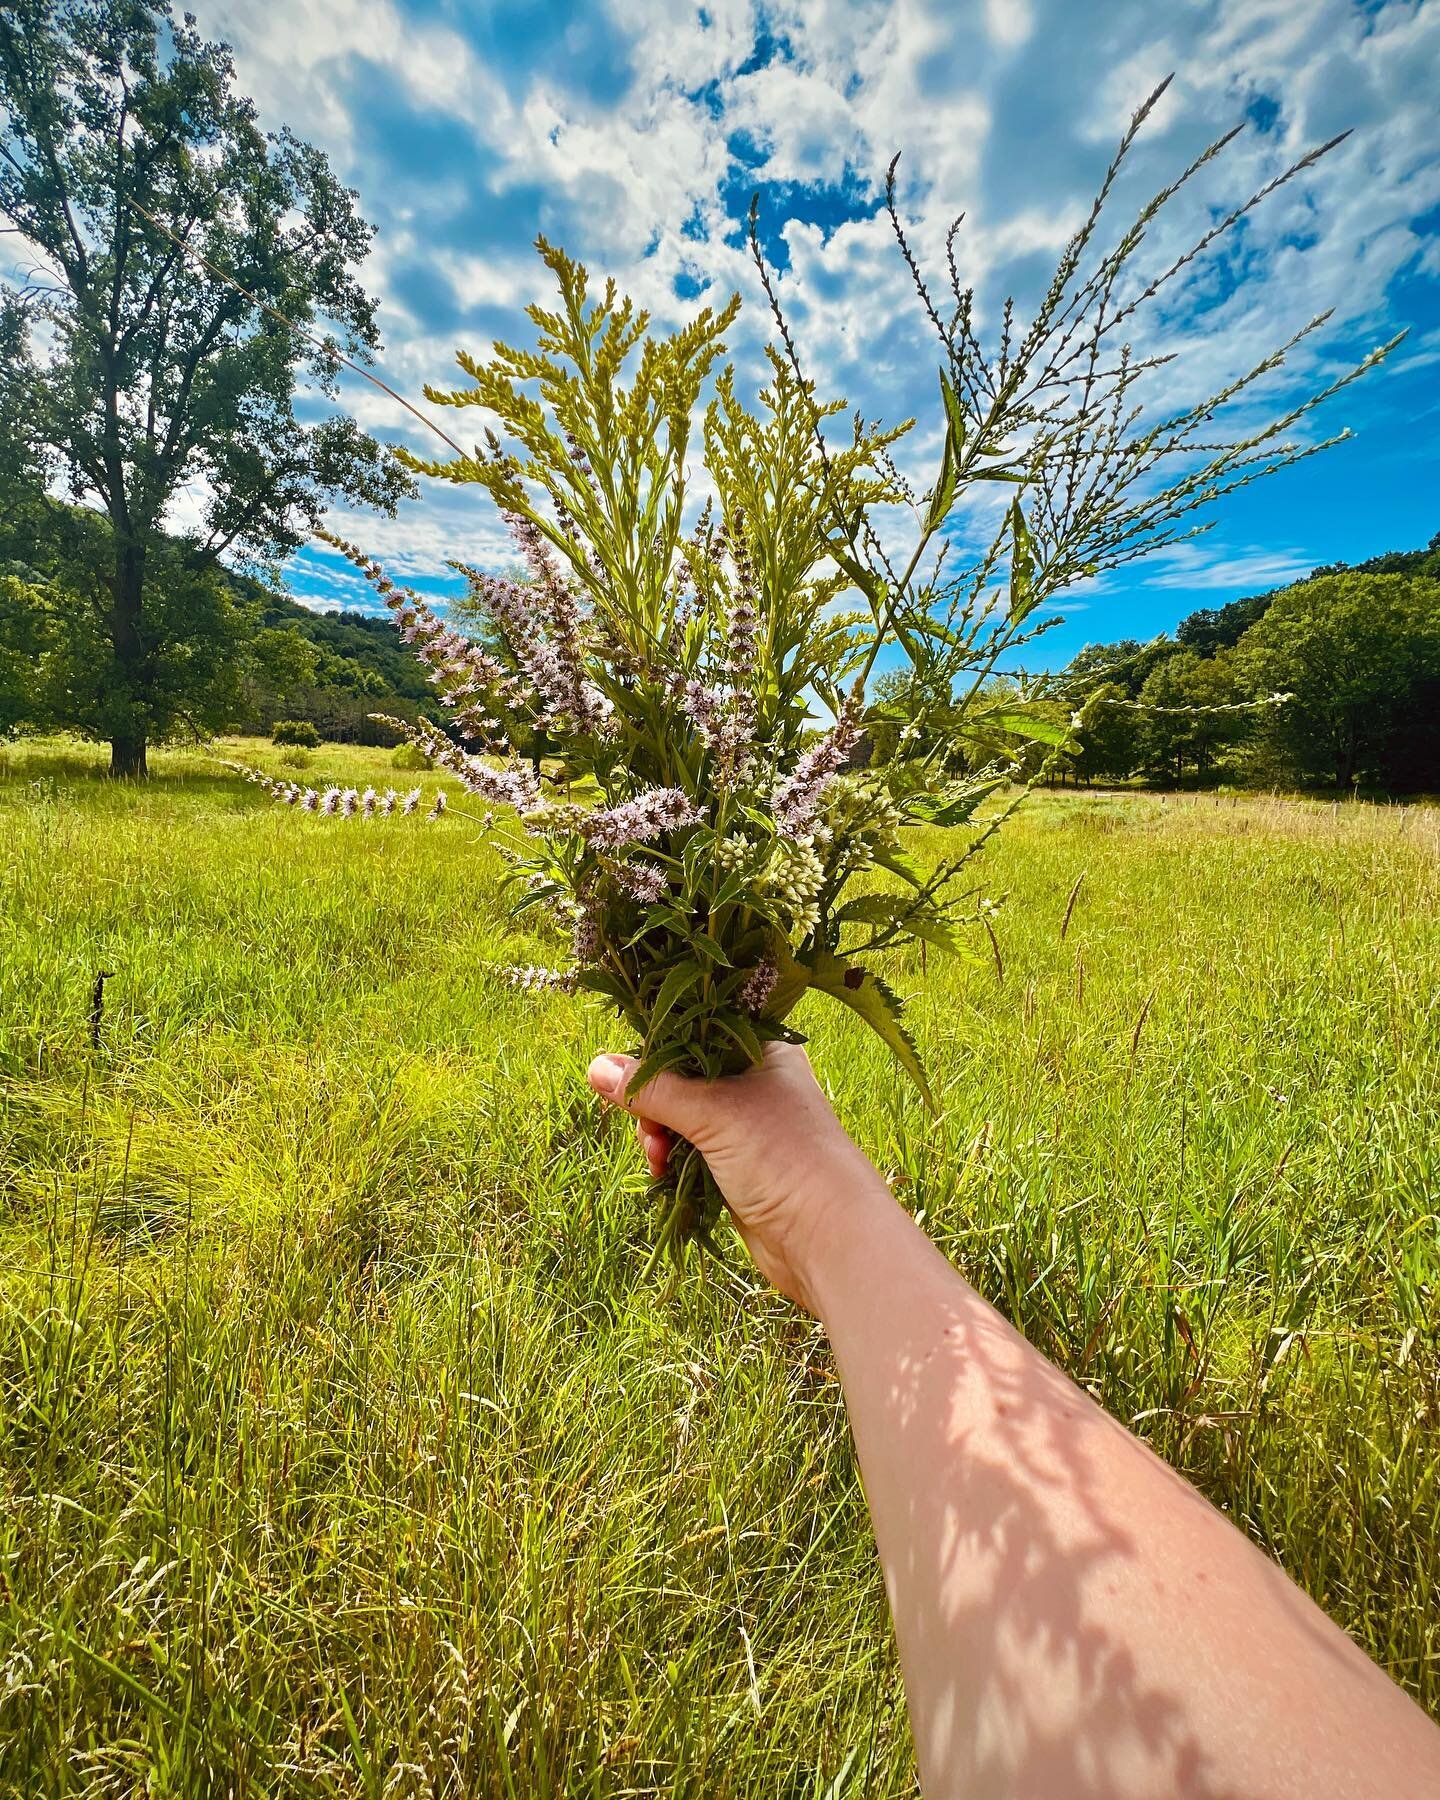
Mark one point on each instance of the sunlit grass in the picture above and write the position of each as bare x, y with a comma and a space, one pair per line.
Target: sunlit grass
342, 1452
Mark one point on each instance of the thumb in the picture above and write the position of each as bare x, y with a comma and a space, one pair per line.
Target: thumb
684, 1104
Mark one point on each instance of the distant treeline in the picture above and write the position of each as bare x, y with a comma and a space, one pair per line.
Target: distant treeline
1332, 682
1354, 650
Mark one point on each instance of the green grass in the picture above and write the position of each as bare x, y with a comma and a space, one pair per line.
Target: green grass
344, 1454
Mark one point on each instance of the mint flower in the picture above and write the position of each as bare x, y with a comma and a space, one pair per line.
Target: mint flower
640, 821
795, 802
754, 996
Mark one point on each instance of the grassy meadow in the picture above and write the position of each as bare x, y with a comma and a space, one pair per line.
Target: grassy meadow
342, 1451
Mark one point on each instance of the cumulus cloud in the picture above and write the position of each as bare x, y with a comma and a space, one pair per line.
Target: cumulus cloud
635, 135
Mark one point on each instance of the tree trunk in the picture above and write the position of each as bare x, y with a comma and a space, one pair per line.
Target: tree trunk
128, 739
127, 756
1345, 749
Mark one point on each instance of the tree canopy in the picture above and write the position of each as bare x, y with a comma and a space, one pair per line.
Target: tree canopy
1359, 656
1334, 680
180, 258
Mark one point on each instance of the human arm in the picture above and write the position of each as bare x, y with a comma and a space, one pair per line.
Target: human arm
1073, 1618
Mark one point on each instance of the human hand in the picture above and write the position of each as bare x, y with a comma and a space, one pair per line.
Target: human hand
789, 1173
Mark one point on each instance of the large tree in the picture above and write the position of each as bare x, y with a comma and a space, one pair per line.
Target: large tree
1111, 738
1187, 717
1126, 664
1359, 656
164, 233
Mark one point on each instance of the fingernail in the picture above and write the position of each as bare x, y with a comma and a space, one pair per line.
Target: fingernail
607, 1075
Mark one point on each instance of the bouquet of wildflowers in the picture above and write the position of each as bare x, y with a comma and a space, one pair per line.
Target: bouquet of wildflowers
703, 816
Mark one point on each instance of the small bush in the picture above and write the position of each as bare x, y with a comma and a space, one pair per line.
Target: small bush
299, 732
408, 756
296, 758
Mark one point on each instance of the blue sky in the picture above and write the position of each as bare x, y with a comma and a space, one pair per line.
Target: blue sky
634, 132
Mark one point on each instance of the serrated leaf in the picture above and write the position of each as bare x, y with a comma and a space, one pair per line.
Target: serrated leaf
940, 933
737, 1026
949, 808
865, 993
899, 864
705, 945
875, 909
901, 909
1026, 725
790, 984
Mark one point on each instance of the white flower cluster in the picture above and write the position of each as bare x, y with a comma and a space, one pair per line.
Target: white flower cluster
639, 821
796, 875
466, 675
585, 938
338, 802
349, 803
797, 799
515, 784
733, 852
759, 985
642, 881
860, 818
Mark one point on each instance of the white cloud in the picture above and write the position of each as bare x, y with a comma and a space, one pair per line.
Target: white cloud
809, 131
1254, 568
1009, 22
1002, 107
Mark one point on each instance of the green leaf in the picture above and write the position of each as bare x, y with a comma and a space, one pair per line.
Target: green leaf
943, 497
871, 585
702, 942
950, 808
876, 909
899, 864
730, 889
1023, 597
596, 981
921, 921
661, 918
940, 933
865, 993
678, 980
791, 983
538, 896
954, 415
737, 1026
1025, 725
655, 1065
